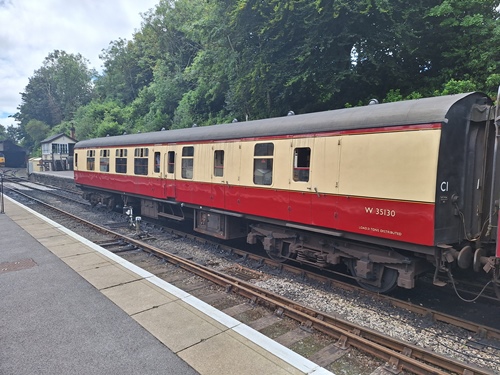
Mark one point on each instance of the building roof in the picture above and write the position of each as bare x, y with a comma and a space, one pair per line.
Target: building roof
8, 145
54, 137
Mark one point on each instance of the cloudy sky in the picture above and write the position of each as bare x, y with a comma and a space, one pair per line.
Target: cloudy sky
31, 29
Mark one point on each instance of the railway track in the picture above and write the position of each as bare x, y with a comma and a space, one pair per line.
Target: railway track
396, 355
47, 189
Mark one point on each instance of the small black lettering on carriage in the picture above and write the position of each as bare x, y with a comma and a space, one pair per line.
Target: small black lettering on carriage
380, 211
383, 231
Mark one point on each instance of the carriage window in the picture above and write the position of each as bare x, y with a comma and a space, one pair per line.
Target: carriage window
263, 164
157, 162
104, 160
141, 161
187, 162
171, 162
76, 160
301, 163
219, 163
121, 160
90, 160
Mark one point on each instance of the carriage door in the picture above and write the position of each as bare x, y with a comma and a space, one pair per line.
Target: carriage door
299, 205
156, 182
324, 184
170, 172
217, 176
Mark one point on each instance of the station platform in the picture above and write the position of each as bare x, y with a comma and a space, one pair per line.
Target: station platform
71, 307
60, 174
66, 175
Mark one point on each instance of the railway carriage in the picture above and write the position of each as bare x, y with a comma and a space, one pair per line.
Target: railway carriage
388, 189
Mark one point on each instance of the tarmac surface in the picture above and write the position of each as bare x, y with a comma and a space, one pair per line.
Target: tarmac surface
71, 307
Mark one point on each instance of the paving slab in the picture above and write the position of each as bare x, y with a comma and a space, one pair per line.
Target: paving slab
137, 296
57, 238
42, 231
108, 275
177, 326
85, 261
222, 354
69, 250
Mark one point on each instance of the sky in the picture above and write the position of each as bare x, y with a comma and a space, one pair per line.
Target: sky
31, 29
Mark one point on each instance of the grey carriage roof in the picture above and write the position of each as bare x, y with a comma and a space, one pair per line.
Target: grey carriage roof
410, 112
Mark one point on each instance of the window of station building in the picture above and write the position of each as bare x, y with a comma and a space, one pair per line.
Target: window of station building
141, 161
90, 160
104, 160
59, 148
187, 162
301, 164
157, 162
171, 162
263, 164
219, 163
121, 160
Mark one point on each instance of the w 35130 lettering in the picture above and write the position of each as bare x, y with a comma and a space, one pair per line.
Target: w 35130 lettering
380, 211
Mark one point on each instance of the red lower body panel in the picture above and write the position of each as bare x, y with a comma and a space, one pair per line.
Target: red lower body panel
411, 222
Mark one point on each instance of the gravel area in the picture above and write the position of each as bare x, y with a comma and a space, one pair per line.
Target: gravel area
438, 337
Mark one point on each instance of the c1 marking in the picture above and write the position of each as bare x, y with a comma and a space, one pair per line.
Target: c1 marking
444, 186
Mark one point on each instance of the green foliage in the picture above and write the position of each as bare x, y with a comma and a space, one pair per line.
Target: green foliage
100, 119
14, 133
206, 62
36, 132
64, 127
457, 87
125, 72
393, 96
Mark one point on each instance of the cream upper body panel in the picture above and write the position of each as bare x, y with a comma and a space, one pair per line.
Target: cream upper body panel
398, 165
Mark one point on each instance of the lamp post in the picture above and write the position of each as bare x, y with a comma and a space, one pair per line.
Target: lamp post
2, 208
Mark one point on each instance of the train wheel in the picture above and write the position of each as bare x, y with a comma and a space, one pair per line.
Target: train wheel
388, 279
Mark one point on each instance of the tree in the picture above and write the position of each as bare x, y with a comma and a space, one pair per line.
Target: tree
467, 31
14, 133
56, 90
36, 132
98, 119
124, 75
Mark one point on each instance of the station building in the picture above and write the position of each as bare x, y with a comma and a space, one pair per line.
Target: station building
57, 152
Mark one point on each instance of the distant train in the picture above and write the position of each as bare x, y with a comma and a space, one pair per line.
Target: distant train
391, 190
2, 160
